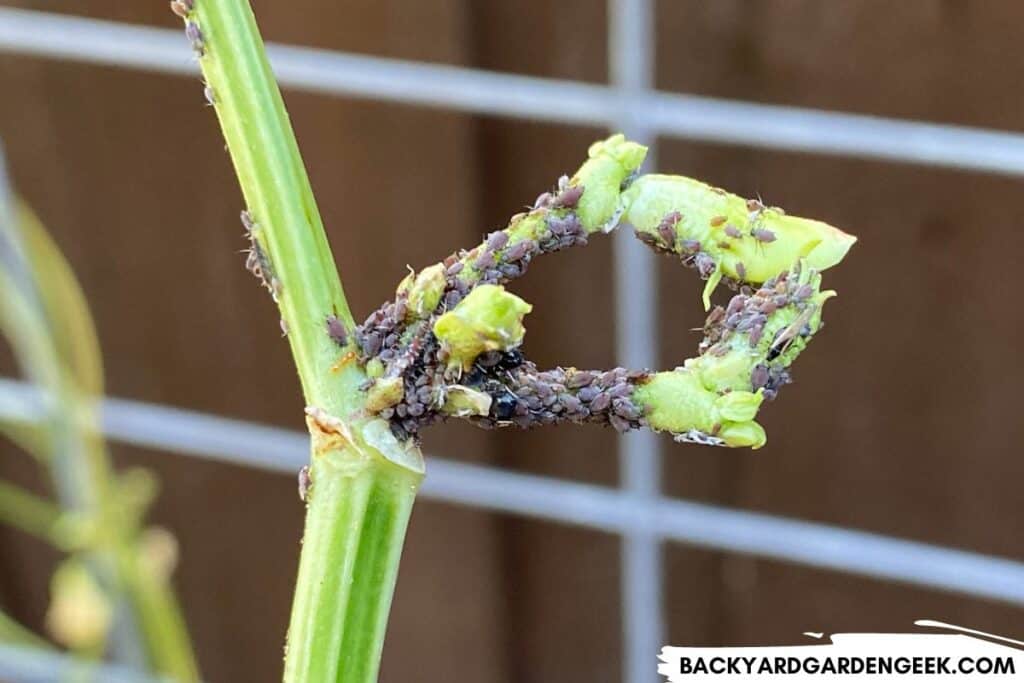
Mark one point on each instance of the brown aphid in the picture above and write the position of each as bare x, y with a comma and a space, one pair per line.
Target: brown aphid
305, 483
718, 220
180, 8
741, 270
668, 235
569, 197
716, 316
759, 377
763, 235
756, 332
336, 331
667, 228
732, 231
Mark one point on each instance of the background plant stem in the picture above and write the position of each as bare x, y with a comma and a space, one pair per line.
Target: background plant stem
361, 495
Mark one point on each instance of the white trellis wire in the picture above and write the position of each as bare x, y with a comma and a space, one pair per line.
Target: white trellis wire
638, 511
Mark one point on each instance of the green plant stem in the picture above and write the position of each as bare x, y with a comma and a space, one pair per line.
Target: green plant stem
46, 318
14, 633
28, 512
364, 482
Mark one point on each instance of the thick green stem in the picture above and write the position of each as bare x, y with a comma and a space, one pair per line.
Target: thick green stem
364, 480
345, 586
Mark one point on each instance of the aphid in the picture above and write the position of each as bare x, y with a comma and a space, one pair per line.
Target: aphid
195, 37
667, 228
705, 265
756, 332
543, 200
258, 264
732, 231
692, 246
336, 331
667, 234
180, 8
284, 328
619, 424
371, 344
600, 402
569, 197
211, 97
305, 483
485, 261
519, 250
754, 206
718, 220
647, 238
763, 235
759, 377
497, 240
741, 270
504, 406
247, 222
511, 359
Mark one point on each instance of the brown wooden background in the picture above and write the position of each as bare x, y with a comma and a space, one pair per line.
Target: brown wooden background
904, 418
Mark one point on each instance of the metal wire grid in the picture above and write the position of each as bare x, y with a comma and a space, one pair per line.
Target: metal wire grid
638, 512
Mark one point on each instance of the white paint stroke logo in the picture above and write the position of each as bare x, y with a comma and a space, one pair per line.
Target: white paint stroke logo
960, 654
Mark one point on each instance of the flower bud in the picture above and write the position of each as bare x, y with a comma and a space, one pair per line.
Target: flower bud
609, 164
488, 319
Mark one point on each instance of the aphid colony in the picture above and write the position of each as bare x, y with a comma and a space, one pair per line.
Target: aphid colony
747, 314
665, 240
184, 10
403, 343
447, 345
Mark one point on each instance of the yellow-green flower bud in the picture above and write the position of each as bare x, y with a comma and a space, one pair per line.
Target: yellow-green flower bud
80, 614
384, 393
678, 402
743, 434
747, 241
609, 164
426, 290
488, 319
463, 401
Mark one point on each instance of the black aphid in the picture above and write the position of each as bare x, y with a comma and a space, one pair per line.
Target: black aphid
503, 407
